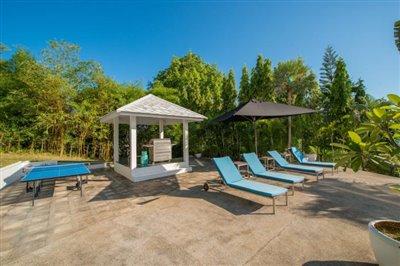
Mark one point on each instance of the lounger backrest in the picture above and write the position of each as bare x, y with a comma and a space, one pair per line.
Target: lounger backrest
297, 154
227, 169
278, 158
254, 163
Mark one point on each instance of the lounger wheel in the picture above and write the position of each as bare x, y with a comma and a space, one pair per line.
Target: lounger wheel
205, 187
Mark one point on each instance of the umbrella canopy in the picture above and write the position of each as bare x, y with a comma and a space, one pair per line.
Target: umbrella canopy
256, 110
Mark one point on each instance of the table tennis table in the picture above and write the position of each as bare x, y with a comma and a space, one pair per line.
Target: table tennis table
41, 173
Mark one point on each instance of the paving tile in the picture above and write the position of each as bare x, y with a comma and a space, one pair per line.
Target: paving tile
62, 228
62, 221
37, 236
29, 246
7, 244
37, 228
10, 233
13, 225
59, 212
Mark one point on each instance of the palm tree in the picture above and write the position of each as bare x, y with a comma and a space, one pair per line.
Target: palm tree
293, 81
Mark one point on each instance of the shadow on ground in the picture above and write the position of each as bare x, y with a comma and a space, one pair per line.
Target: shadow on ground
121, 188
16, 193
356, 202
231, 203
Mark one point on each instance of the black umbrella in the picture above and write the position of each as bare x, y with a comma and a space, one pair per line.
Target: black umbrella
256, 110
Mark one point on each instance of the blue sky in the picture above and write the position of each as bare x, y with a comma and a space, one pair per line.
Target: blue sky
133, 40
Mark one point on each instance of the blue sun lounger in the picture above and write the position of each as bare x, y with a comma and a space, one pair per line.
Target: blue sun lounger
282, 163
232, 178
258, 170
298, 155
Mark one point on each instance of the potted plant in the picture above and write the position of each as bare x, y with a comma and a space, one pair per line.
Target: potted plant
385, 240
313, 155
198, 148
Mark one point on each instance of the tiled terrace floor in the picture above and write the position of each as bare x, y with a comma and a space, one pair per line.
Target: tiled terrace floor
172, 221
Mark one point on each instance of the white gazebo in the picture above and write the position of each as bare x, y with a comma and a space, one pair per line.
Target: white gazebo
150, 110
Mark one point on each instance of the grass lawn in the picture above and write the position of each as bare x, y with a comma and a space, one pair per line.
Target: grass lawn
13, 157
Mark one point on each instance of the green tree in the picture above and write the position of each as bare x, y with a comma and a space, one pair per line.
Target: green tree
18, 99
358, 90
229, 93
261, 80
3, 48
244, 92
359, 104
199, 84
169, 94
53, 104
328, 69
295, 84
62, 59
340, 96
397, 34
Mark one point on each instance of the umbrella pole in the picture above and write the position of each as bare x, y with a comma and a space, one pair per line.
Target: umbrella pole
289, 132
255, 136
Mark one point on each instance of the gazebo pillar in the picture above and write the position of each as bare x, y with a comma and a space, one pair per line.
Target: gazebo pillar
116, 140
133, 142
161, 128
185, 142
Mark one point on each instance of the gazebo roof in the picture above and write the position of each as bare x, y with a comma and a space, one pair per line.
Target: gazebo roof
150, 109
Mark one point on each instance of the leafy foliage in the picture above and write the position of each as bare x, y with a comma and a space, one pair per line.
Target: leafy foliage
53, 104
295, 83
199, 84
261, 80
397, 34
229, 93
244, 93
376, 143
340, 96
328, 69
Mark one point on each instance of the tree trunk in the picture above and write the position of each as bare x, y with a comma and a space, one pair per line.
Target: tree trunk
80, 145
238, 138
94, 149
62, 143
289, 100
32, 148
255, 136
87, 151
221, 130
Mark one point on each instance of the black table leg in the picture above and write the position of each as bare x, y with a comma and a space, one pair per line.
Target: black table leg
33, 193
80, 184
